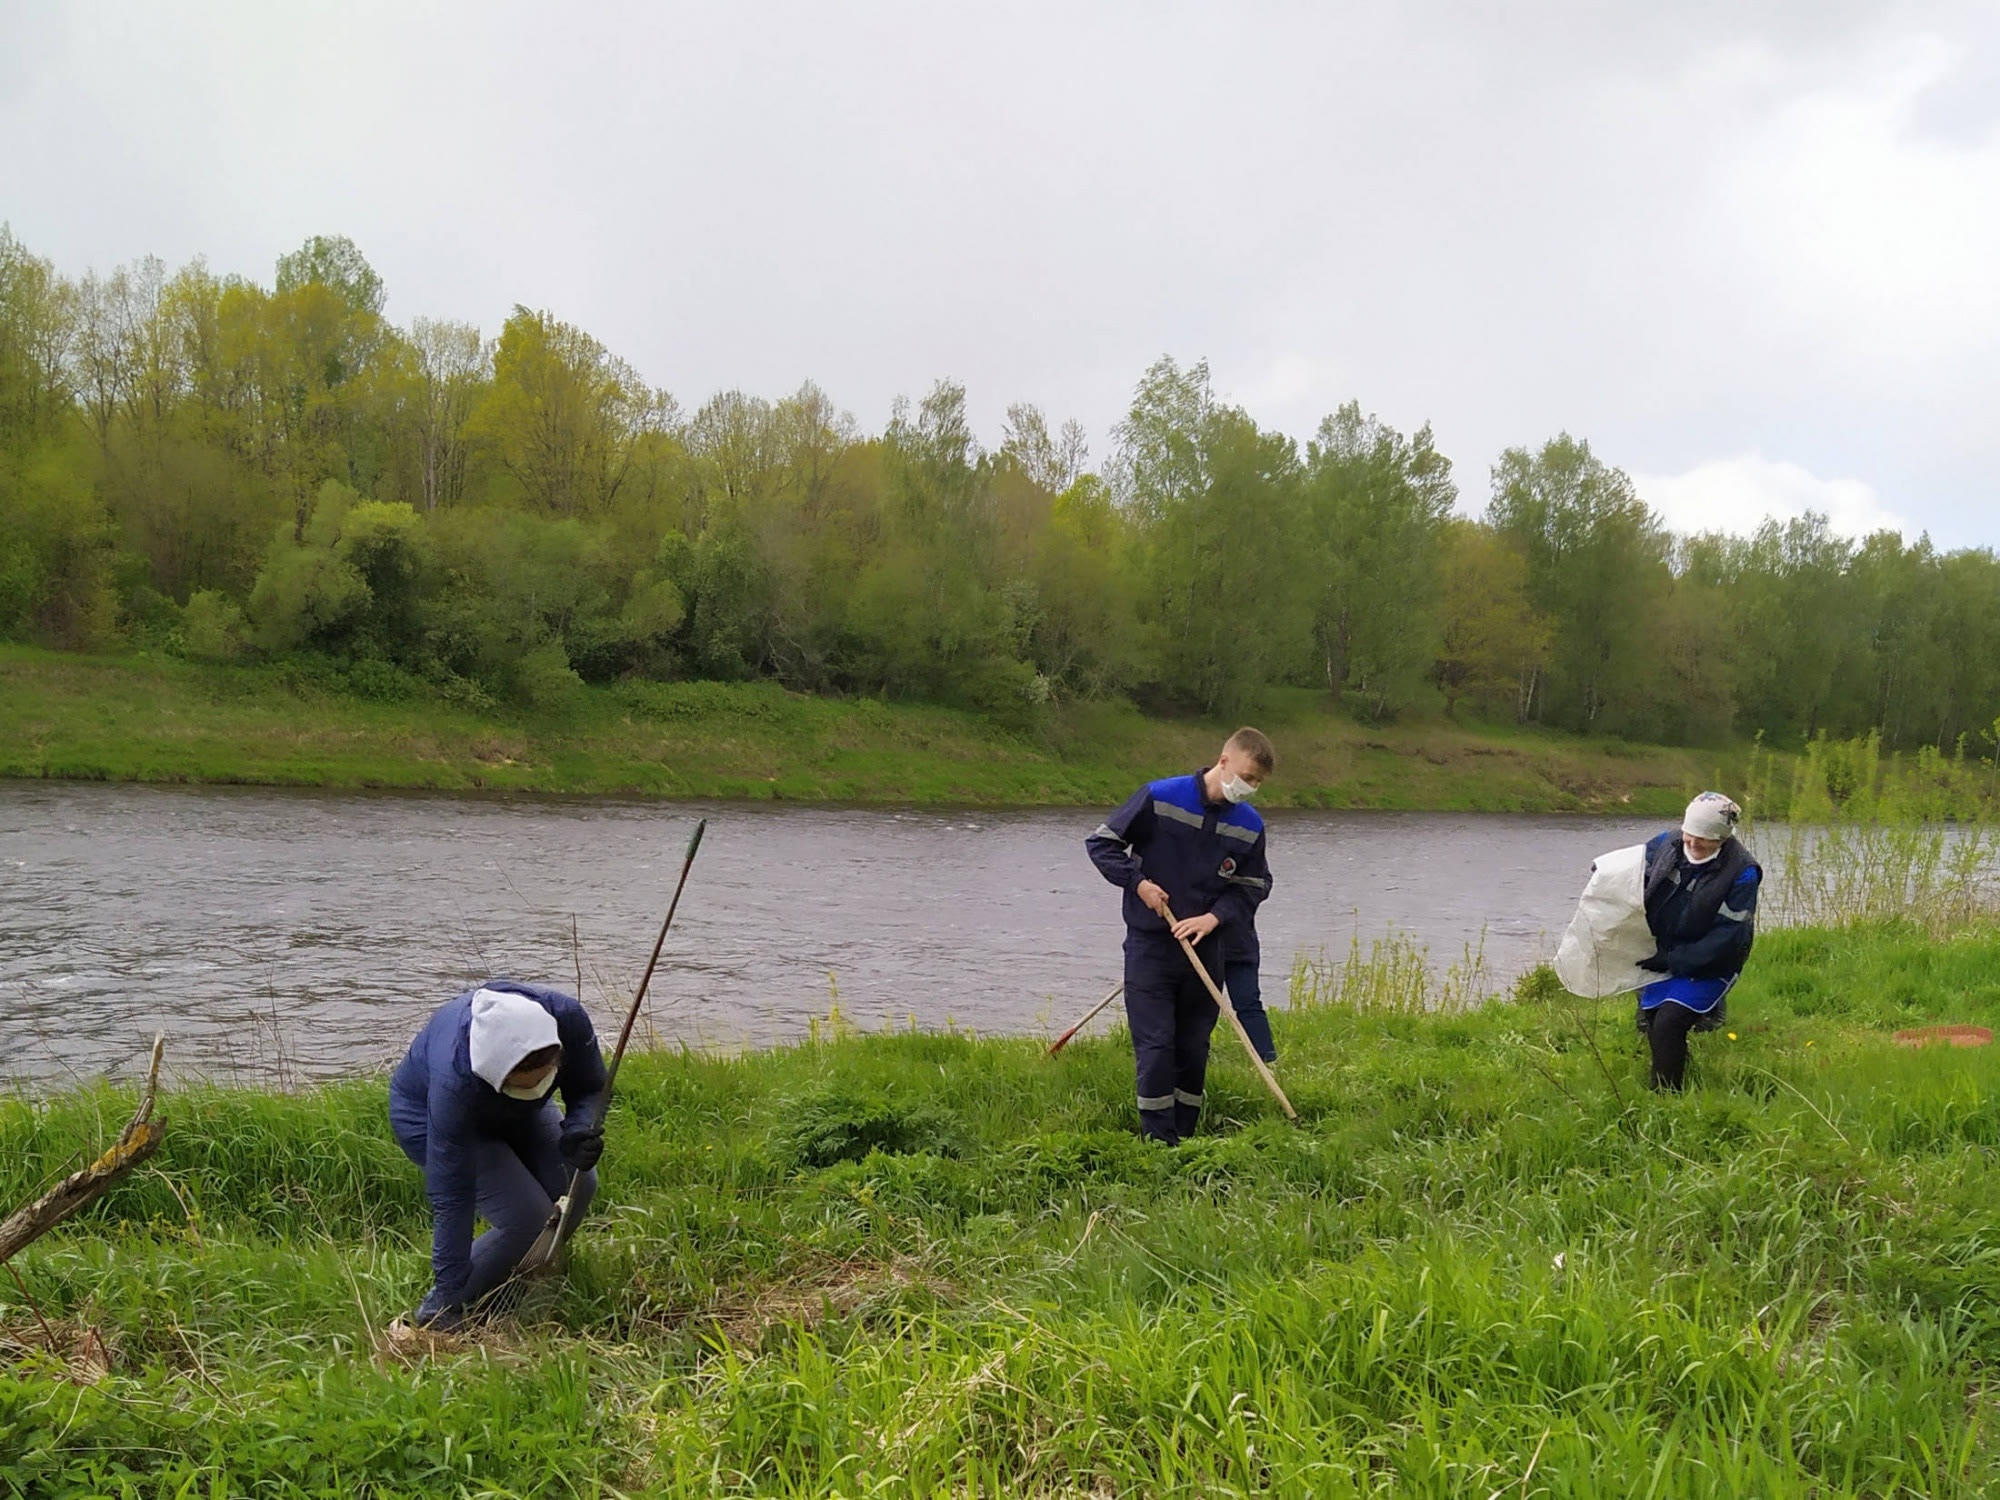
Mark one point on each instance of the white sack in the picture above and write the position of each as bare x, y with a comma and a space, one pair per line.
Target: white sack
1607, 937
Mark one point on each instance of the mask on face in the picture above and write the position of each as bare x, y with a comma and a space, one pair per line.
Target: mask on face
1236, 789
1698, 859
531, 1091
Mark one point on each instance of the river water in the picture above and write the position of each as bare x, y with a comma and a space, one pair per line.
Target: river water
281, 936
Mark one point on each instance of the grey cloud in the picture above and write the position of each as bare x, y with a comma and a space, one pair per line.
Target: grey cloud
1502, 219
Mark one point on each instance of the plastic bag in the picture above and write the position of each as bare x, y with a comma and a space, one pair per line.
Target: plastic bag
1599, 954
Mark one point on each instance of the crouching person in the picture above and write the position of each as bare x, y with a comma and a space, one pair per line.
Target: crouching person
1701, 905
472, 1104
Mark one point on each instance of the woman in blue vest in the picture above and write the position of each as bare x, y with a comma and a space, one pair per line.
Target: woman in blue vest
1701, 905
473, 1105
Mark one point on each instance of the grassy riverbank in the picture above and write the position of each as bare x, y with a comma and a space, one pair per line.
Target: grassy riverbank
151, 718
913, 1265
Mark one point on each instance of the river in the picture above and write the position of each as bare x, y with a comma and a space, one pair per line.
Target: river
282, 936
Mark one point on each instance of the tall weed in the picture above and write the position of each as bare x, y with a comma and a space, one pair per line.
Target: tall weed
1870, 838
1396, 975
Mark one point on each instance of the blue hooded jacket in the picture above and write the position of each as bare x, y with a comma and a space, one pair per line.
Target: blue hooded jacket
438, 1106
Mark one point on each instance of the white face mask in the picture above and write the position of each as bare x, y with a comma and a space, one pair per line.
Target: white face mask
1702, 859
1236, 789
532, 1091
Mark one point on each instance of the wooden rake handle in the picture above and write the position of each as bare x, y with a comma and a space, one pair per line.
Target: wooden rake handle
1065, 1039
1235, 1021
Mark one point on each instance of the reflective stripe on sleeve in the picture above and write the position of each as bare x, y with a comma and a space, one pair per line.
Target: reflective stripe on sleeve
1731, 914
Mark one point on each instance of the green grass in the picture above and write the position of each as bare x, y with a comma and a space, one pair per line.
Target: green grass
153, 718
919, 1264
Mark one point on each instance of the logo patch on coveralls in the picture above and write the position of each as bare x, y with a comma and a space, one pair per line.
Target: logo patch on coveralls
1228, 868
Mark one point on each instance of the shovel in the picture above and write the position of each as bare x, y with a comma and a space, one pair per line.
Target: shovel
563, 1216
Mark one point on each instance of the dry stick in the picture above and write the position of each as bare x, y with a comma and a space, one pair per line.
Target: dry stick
194, 1229
139, 1140
1064, 1040
367, 1323
48, 1333
576, 957
1222, 1000
1590, 1040
1533, 1461
1807, 1102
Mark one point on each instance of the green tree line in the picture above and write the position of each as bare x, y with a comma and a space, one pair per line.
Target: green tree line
237, 472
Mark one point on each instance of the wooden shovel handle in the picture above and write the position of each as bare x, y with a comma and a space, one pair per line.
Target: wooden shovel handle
1235, 1021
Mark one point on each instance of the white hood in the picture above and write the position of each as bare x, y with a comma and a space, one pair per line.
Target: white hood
505, 1028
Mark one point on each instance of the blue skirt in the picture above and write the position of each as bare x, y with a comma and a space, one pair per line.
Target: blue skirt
1699, 995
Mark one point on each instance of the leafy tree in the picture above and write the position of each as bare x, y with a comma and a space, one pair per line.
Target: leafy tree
563, 414
352, 586
1083, 634
1053, 462
1492, 646
37, 332
1798, 629
450, 365
57, 553
1216, 502
1376, 504
209, 463
334, 262
1596, 568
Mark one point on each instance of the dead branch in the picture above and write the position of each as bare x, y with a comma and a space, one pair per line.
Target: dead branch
139, 1140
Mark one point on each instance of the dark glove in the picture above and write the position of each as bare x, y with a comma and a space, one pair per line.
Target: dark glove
581, 1146
1657, 964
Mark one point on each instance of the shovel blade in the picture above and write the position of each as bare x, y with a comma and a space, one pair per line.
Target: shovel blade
547, 1243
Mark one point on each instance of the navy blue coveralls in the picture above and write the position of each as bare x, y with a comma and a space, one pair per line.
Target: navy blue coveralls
1240, 980
1208, 857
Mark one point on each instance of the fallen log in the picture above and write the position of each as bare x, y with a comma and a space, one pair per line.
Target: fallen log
139, 1140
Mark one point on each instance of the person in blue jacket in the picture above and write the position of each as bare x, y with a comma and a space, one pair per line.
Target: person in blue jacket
473, 1105
1701, 906
1241, 961
1192, 842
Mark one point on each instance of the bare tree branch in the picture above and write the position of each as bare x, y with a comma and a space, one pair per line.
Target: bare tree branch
139, 1140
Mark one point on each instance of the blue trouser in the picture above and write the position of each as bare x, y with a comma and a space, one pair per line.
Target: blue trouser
1171, 1014
516, 1185
1240, 980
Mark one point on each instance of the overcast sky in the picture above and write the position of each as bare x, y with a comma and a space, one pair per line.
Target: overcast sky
1750, 251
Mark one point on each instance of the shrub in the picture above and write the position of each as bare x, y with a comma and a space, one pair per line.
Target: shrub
543, 680
844, 1122
212, 628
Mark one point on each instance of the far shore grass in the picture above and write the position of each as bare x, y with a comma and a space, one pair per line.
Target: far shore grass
151, 718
